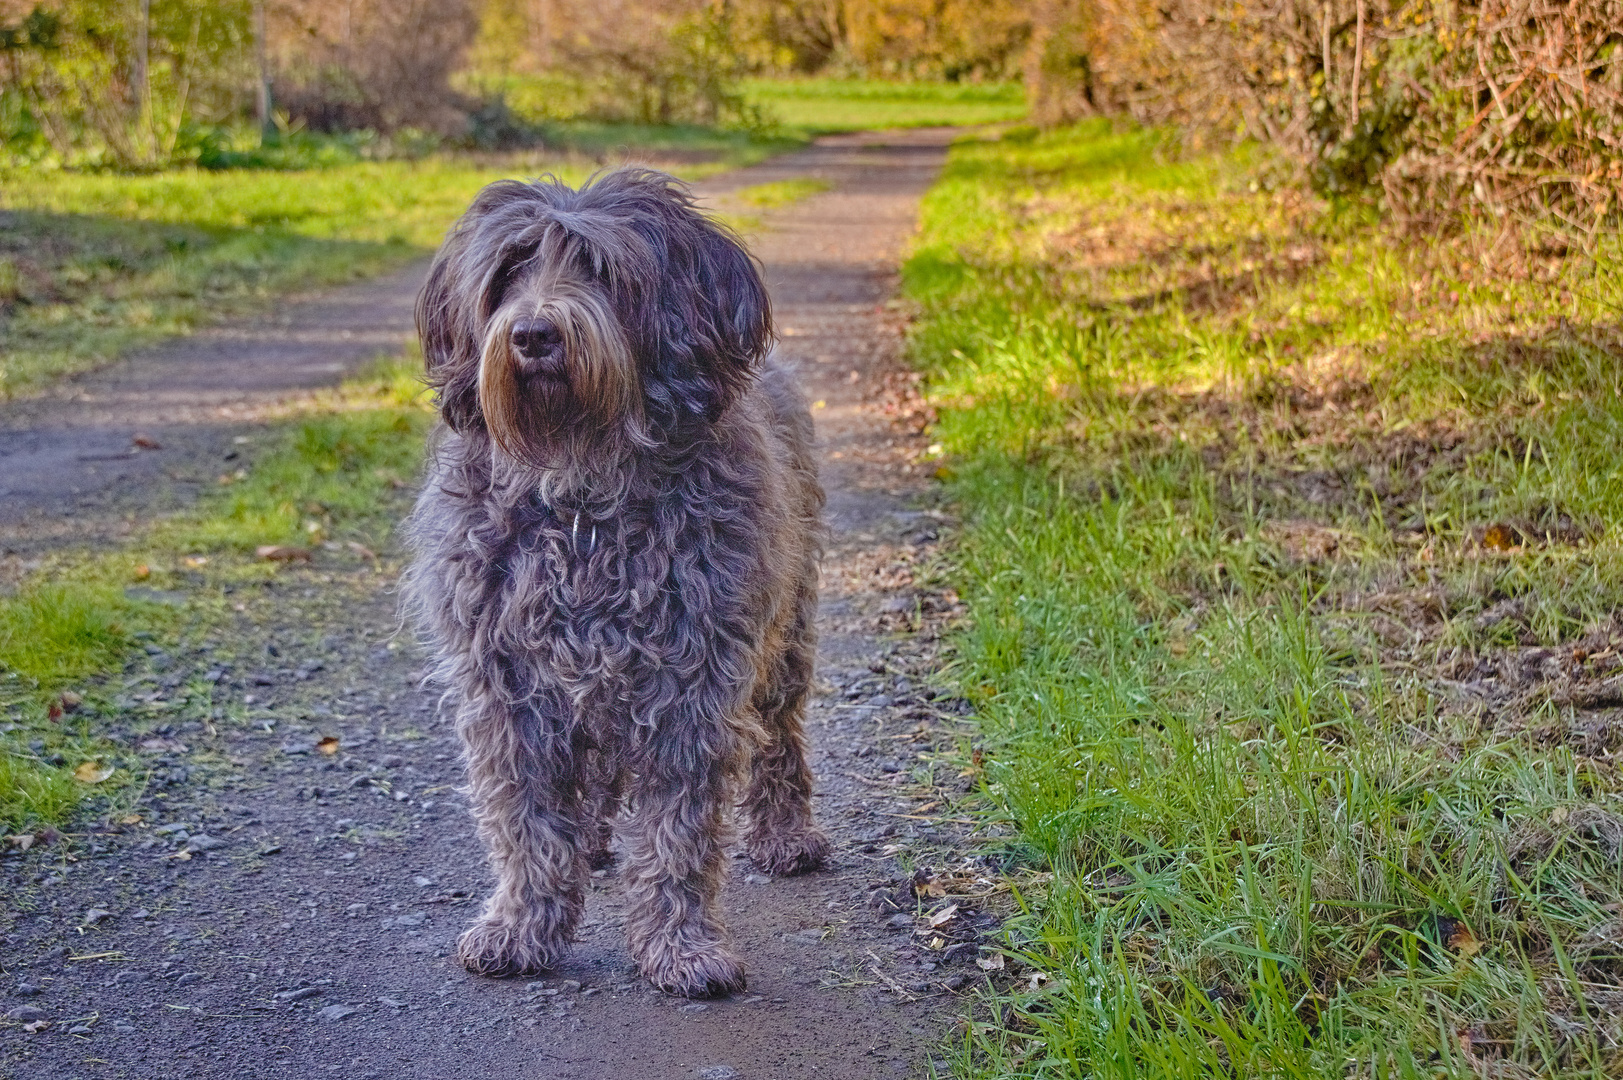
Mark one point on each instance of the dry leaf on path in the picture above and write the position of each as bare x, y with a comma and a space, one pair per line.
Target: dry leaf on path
282, 553
92, 772
328, 744
146, 442
70, 701
944, 916
363, 551
990, 963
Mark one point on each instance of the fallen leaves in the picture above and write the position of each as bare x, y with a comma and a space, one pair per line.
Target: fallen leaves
1499, 537
93, 772
1303, 541
1462, 941
328, 744
925, 883
944, 916
145, 442
283, 553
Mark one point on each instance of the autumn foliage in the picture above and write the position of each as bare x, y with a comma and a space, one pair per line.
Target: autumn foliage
1506, 109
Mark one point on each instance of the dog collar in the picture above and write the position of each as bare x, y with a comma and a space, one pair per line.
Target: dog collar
574, 537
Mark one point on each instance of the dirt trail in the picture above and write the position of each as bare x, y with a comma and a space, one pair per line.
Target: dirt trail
67, 460
302, 924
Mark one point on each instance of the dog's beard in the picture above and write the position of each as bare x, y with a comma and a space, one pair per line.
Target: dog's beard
546, 422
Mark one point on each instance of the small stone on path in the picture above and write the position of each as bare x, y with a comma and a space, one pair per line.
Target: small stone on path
26, 1012
337, 1012
716, 1072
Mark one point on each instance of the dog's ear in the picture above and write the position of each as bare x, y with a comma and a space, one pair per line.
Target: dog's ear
717, 316
447, 326
740, 307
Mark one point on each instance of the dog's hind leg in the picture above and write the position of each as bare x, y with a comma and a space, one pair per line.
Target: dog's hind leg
673, 837
525, 787
782, 837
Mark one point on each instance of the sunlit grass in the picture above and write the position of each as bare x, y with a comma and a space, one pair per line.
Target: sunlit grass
105, 262
778, 193
828, 105
1291, 552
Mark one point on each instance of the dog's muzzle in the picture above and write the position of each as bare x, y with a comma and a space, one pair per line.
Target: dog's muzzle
538, 348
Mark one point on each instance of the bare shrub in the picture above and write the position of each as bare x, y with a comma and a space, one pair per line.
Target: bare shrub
1505, 109
380, 64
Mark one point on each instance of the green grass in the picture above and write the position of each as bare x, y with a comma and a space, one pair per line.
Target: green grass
103, 262
778, 193
326, 480
61, 631
93, 264
820, 106
1292, 556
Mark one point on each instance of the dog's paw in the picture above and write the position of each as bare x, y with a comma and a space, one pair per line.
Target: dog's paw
785, 854
500, 949
714, 972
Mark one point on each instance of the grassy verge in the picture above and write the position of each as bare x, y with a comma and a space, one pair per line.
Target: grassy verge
92, 264
1292, 551
102, 653
818, 106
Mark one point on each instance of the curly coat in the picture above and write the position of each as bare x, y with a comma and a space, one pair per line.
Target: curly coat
615, 563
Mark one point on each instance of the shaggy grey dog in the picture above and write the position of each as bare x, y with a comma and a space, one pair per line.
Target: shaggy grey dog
615, 562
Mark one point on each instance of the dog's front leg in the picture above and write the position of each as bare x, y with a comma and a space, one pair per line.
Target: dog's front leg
524, 782
673, 868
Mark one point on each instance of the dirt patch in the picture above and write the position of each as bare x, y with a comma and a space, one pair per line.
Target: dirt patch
286, 904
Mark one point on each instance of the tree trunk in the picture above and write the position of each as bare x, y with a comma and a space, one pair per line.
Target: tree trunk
143, 27
262, 94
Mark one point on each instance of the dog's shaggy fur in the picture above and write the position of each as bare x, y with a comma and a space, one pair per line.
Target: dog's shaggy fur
615, 562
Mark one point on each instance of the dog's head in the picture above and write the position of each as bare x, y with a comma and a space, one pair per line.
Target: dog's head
555, 317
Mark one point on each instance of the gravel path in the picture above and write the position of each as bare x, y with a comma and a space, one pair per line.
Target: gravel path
282, 911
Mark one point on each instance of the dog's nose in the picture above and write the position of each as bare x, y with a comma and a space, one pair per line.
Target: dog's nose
539, 345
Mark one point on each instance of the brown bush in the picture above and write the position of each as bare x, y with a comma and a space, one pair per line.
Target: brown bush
381, 64
1506, 109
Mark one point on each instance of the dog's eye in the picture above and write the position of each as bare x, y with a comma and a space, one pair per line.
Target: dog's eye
507, 273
